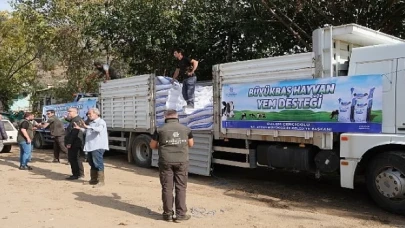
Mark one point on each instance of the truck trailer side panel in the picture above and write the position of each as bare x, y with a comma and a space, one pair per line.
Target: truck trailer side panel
127, 104
299, 66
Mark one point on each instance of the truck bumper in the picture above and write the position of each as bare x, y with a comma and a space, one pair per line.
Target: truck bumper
347, 171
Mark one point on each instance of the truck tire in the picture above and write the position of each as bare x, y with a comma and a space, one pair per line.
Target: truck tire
6, 149
38, 141
141, 151
386, 181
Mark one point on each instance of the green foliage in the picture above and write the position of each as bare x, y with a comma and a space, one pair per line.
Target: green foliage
138, 36
18, 52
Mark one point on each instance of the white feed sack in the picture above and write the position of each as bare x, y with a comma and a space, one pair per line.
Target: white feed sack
169, 96
362, 101
344, 111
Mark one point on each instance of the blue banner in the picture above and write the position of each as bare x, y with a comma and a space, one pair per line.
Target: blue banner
61, 109
338, 104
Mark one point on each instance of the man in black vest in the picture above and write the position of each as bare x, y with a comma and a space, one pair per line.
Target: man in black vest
173, 141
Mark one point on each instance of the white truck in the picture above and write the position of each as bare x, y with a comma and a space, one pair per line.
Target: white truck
128, 106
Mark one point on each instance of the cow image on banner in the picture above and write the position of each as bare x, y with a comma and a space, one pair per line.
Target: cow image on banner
338, 104
227, 110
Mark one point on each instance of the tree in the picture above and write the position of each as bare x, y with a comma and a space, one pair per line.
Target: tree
138, 36
69, 48
299, 18
18, 53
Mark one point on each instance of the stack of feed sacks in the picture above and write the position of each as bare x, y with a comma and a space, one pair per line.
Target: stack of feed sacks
169, 96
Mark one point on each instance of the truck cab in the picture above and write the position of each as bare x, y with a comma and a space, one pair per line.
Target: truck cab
338, 51
85, 96
381, 157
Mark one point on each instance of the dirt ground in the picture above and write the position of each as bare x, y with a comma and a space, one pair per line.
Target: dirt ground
233, 197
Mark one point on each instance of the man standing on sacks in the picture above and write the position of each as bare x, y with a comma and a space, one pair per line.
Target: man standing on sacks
185, 73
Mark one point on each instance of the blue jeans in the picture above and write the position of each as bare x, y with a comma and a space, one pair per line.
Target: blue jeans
32, 149
25, 153
95, 159
189, 89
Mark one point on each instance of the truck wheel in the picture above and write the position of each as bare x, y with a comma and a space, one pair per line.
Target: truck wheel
38, 142
6, 149
386, 181
141, 151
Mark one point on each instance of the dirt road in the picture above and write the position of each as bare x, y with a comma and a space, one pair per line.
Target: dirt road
131, 198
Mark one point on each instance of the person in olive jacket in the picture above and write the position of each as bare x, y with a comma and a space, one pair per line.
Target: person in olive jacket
74, 144
173, 141
58, 133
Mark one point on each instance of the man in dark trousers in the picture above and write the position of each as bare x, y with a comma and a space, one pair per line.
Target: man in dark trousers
96, 143
107, 71
185, 73
3, 133
173, 141
57, 129
74, 144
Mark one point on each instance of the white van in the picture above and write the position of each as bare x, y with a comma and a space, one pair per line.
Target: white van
12, 136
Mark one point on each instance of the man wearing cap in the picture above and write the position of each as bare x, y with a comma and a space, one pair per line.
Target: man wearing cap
173, 141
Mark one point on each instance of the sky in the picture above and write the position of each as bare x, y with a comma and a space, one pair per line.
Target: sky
4, 5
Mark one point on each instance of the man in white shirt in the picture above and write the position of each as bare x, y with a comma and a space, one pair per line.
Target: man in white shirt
96, 143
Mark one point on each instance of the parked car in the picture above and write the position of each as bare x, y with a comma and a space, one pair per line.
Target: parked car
12, 136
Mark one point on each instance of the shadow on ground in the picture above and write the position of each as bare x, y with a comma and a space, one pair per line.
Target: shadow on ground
277, 189
13, 162
114, 202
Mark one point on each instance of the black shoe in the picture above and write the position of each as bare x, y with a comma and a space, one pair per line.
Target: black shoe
56, 160
168, 218
182, 218
25, 168
72, 178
